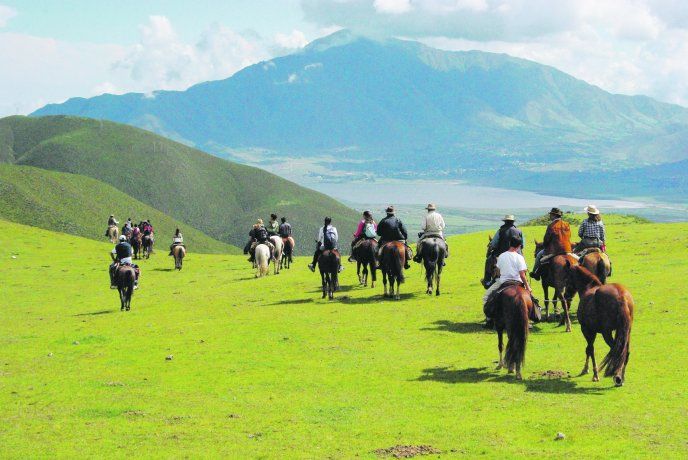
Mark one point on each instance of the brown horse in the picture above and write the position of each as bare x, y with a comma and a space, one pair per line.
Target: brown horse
136, 245
179, 252
328, 263
364, 254
597, 262
125, 278
147, 243
392, 266
555, 275
604, 309
512, 309
287, 253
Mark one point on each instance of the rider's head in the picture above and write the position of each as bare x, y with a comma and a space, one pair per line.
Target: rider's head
123, 238
273, 216
259, 222
328, 220
112, 215
431, 207
515, 242
390, 210
367, 214
283, 219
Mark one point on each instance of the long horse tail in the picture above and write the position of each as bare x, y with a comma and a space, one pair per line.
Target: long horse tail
601, 269
614, 362
517, 330
398, 265
431, 262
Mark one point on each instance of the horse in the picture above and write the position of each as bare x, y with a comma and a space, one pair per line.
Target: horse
364, 254
597, 262
147, 243
287, 252
125, 279
136, 245
279, 248
513, 307
556, 276
328, 263
262, 260
113, 233
433, 251
392, 266
179, 252
490, 271
604, 309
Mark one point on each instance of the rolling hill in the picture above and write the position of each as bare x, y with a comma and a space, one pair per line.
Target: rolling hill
393, 107
220, 198
79, 205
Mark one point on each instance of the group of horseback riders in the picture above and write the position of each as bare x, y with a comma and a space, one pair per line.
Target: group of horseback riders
261, 234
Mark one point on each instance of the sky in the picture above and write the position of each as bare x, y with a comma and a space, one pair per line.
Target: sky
52, 50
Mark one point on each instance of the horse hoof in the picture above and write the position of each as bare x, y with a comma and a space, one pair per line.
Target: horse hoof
595, 379
584, 372
618, 381
437, 293
519, 377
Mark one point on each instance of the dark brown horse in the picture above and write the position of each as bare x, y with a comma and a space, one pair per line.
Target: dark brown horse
125, 278
597, 262
490, 272
392, 266
364, 254
136, 245
328, 263
555, 275
179, 252
147, 244
512, 309
604, 309
433, 251
287, 252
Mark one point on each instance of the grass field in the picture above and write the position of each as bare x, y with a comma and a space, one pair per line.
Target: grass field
265, 369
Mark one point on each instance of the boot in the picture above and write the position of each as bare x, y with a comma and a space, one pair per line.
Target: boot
311, 267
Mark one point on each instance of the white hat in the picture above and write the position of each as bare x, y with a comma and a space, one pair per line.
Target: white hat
431, 207
509, 217
122, 238
591, 209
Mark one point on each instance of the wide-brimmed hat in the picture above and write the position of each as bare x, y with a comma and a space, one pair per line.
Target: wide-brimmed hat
556, 212
430, 207
390, 209
509, 217
591, 209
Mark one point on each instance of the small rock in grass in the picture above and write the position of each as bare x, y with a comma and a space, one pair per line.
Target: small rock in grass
76, 342
14, 257
169, 358
50, 355
560, 436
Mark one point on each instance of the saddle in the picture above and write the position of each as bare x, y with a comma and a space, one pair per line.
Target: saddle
548, 257
587, 251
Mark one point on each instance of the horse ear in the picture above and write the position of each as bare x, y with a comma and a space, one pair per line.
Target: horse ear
489, 237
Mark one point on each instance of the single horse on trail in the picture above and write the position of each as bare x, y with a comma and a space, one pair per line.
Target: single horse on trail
125, 279
513, 307
604, 309
262, 260
433, 251
179, 252
392, 266
147, 244
113, 233
364, 254
328, 263
287, 252
279, 249
136, 245
490, 272
555, 275
597, 262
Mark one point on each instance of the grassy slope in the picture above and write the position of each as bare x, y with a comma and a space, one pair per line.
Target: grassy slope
265, 368
80, 205
218, 197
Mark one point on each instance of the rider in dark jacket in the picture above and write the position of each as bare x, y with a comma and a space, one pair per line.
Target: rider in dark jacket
391, 228
500, 242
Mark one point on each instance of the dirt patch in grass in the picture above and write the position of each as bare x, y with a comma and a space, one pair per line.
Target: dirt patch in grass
406, 451
553, 374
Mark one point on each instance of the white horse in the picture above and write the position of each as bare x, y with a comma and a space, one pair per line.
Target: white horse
262, 258
279, 248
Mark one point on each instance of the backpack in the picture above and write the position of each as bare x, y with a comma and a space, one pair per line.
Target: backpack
329, 238
369, 230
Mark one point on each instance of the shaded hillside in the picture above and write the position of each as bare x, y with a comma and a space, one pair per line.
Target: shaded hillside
220, 198
79, 205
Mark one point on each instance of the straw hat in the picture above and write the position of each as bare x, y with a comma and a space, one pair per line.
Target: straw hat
556, 212
591, 209
431, 207
390, 209
509, 217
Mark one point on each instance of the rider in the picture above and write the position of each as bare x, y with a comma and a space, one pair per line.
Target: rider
366, 230
512, 267
431, 226
273, 226
112, 222
258, 235
121, 255
327, 240
557, 240
285, 232
391, 229
500, 243
177, 240
126, 229
591, 231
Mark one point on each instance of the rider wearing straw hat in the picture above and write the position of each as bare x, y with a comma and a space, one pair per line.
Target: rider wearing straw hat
557, 240
500, 242
591, 230
432, 226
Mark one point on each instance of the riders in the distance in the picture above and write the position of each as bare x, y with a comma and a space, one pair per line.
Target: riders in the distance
121, 255
177, 240
557, 240
258, 235
391, 228
328, 239
432, 226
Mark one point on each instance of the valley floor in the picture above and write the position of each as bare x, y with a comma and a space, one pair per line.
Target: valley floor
264, 368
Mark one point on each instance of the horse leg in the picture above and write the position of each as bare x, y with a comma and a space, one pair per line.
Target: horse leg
324, 280
437, 281
500, 346
590, 351
545, 289
333, 279
373, 272
567, 318
397, 296
384, 282
121, 299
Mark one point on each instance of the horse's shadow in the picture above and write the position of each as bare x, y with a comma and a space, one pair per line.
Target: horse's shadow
345, 288
375, 298
459, 328
158, 269
293, 301
94, 313
483, 374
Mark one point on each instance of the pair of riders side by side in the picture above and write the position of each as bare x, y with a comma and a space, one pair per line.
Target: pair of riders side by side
121, 255
328, 240
177, 240
258, 235
432, 226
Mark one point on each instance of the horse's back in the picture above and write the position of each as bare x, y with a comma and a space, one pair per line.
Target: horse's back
613, 299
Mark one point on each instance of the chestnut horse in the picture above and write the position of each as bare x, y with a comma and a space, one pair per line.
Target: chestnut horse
136, 244
555, 275
392, 266
512, 309
364, 254
604, 309
287, 252
597, 262
328, 263
125, 278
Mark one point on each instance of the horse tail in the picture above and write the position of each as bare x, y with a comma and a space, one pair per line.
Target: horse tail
431, 262
398, 265
614, 362
517, 330
601, 269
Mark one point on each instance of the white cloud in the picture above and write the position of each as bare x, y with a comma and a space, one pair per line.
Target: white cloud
6, 13
392, 6
293, 78
289, 42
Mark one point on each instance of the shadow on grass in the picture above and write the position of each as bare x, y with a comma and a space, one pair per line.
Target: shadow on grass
375, 298
293, 301
483, 374
158, 269
94, 313
460, 328
345, 288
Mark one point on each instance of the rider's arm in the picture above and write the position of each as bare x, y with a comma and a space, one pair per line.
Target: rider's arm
604, 232
524, 279
494, 241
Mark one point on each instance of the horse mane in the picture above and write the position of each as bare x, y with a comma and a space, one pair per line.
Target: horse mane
585, 276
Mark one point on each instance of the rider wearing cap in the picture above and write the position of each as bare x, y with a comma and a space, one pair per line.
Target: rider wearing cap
391, 228
432, 226
121, 255
557, 240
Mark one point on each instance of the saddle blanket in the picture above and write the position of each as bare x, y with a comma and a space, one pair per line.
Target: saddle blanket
547, 257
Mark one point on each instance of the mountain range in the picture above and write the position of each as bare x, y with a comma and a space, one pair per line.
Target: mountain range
395, 108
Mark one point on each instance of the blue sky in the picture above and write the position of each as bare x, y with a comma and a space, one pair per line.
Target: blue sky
51, 50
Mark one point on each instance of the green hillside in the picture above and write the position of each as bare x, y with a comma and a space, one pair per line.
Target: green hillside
79, 205
218, 197
265, 369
